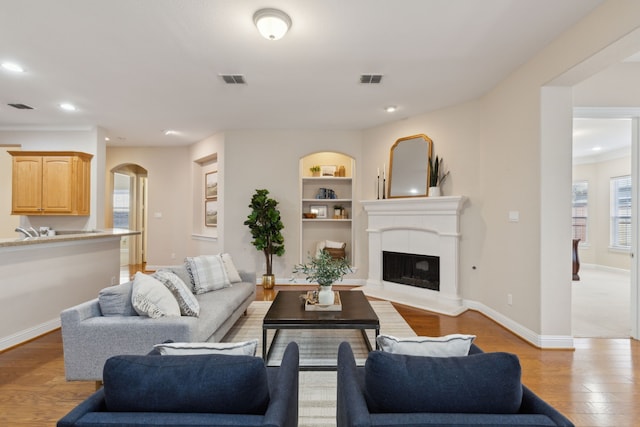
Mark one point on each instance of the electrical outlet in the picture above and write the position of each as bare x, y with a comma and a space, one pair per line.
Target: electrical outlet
509, 299
173, 256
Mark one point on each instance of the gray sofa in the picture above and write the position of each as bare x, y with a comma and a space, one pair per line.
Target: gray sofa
89, 338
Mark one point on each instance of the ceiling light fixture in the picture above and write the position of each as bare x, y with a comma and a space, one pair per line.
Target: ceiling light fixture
596, 148
272, 24
67, 106
170, 132
12, 66
391, 109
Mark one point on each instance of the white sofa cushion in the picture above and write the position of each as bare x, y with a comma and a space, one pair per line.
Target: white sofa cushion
446, 346
151, 298
245, 348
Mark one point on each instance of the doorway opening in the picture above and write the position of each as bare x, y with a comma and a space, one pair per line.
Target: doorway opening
129, 202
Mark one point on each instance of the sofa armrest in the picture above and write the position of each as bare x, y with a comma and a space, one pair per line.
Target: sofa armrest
89, 339
94, 403
283, 402
532, 404
351, 405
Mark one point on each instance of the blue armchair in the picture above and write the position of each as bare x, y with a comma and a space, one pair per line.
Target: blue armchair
193, 390
479, 389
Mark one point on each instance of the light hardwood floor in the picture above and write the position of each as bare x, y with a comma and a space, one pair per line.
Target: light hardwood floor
598, 384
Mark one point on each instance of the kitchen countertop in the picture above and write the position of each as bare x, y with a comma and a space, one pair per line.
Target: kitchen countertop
66, 236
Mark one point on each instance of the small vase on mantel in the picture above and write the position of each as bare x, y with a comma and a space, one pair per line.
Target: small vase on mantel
325, 295
434, 191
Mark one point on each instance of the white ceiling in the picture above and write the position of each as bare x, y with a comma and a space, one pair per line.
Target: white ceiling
137, 68
598, 138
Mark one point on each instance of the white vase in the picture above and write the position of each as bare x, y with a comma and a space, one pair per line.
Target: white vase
325, 295
434, 191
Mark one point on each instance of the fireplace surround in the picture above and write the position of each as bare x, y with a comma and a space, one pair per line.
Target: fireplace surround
426, 226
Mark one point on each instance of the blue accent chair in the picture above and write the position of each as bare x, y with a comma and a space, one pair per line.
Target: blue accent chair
482, 389
193, 390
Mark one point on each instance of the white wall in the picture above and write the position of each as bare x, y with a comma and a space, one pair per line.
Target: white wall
8, 222
270, 160
596, 250
169, 196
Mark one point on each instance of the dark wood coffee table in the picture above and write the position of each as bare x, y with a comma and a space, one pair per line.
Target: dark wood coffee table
287, 312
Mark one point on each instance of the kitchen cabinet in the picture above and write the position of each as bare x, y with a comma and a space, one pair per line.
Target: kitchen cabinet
51, 183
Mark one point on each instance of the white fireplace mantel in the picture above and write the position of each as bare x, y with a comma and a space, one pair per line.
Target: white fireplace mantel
419, 225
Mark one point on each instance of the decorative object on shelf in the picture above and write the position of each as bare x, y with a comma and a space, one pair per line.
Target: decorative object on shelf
384, 181
342, 172
338, 211
312, 302
211, 213
328, 170
409, 169
324, 270
309, 215
266, 226
211, 185
315, 170
326, 193
319, 210
437, 176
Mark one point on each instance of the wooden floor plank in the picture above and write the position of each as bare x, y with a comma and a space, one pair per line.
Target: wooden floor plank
595, 385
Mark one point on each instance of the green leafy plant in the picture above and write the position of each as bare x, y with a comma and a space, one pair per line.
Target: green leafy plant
324, 269
315, 168
437, 176
266, 226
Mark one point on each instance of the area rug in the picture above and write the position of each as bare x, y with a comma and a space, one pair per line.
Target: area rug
317, 393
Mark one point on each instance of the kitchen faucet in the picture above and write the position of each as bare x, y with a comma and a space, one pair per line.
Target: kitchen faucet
26, 233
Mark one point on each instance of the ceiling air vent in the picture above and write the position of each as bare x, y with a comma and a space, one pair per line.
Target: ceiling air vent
20, 106
234, 79
370, 78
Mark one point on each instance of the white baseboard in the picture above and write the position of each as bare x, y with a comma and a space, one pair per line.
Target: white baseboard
604, 268
28, 334
541, 341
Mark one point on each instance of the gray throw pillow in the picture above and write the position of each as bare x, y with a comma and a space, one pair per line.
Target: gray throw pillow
207, 273
245, 348
188, 303
116, 300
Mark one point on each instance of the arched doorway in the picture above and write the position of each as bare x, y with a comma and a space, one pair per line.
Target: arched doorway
128, 210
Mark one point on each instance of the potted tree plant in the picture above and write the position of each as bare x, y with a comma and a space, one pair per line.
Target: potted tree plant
324, 270
265, 225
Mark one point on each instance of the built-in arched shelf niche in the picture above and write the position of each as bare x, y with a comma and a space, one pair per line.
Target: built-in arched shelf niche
329, 194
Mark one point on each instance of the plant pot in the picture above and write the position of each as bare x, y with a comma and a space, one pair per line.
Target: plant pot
268, 281
325, 295
434, 191
314, 173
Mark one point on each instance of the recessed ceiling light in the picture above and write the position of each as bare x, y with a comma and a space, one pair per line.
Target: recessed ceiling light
170, 132
106, 138
12, 66
67, 106
391, 109
596, 148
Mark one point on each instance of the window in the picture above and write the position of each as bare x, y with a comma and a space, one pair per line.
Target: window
579, 197
621, 212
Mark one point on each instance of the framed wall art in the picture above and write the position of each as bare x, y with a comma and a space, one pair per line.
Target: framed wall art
211, 185
319, 210
211, 213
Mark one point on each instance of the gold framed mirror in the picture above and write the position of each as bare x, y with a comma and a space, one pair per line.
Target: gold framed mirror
409, 166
